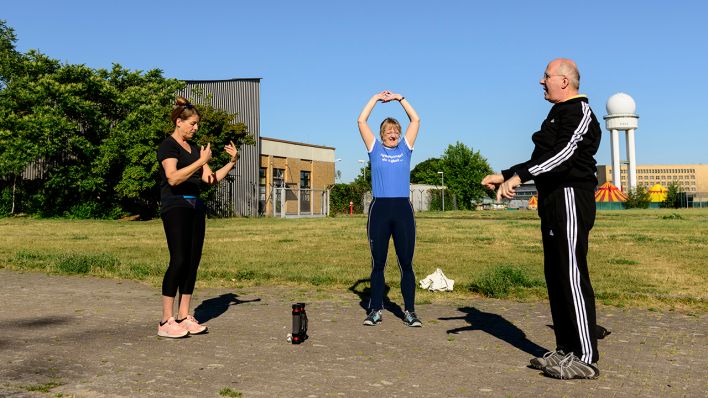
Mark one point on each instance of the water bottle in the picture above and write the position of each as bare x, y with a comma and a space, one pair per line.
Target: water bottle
299, 333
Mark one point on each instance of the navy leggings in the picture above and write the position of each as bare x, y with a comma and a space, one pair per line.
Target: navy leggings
391, 217
184, 229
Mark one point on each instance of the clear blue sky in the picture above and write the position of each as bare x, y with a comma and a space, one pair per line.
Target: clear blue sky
470, 68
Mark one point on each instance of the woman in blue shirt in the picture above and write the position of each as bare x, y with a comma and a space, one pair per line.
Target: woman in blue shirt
390, 212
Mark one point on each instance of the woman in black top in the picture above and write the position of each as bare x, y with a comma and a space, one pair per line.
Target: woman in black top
183, 167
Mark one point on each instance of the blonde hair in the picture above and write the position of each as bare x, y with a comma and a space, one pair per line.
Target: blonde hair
387, 122
183, 110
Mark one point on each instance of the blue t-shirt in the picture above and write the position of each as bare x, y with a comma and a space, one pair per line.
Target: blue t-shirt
390, 170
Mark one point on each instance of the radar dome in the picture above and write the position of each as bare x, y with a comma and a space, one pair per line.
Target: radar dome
621, 103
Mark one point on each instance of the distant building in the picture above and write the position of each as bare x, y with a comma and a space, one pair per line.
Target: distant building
306, 170
691, 178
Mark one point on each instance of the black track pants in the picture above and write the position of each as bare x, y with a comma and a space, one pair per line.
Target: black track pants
391, 217
567, 216
184, 229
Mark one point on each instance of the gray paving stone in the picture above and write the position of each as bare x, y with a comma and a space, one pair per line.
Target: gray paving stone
97, 338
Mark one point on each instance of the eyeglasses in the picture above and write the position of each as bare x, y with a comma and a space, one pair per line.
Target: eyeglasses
546, 76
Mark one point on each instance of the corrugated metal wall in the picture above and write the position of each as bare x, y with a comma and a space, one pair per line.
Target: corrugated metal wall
238, 193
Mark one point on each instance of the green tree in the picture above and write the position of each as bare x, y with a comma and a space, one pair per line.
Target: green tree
674, 196
93, 131
464, 169
426, 172
637, 198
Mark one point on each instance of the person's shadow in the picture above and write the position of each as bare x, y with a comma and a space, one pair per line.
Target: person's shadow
498, 327
214, 307
364, 293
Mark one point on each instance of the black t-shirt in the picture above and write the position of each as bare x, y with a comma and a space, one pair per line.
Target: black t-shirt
174, 196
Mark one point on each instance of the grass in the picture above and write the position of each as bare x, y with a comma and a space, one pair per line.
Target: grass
45, 388
653, 258
227, 392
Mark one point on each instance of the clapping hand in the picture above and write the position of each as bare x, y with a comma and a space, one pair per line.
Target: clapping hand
230, 148
205, 154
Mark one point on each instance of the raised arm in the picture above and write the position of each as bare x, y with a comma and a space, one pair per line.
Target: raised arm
414, 125
366, 134
214, 177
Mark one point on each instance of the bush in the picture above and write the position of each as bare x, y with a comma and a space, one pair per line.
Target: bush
674, 197
342, 194
500, 281
637, 198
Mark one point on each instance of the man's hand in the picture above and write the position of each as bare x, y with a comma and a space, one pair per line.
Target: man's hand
492, 181
507, 189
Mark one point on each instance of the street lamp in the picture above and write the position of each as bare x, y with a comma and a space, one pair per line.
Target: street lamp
338, 173
442, 179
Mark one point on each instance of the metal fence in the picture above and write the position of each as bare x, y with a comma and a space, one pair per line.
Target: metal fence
299, 202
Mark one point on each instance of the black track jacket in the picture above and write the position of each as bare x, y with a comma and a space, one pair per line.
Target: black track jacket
564, 149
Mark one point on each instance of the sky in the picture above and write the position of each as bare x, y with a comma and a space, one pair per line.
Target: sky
471, 68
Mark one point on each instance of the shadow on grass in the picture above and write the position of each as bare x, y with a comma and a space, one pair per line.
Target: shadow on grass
214, 307
497, 326
362, 289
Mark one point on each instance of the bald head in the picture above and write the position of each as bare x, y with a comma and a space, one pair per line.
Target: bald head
569, 69
561, 80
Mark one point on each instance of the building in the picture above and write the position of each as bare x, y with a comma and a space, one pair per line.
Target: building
691, 178
303, 171
240, 97
306, 171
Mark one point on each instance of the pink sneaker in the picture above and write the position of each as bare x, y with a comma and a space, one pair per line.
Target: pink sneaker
192, 325
171, 329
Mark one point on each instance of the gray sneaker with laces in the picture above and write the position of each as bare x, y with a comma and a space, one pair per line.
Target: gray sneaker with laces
374, 318
551, 358
411, 319
571, 367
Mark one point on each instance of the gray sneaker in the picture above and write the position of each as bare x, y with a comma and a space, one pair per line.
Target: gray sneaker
571, 367
551, 358
374, 318
411, 319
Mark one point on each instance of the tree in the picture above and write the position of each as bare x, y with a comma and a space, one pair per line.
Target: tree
464, 169
637, 198
426, 172
93, 131
674, 196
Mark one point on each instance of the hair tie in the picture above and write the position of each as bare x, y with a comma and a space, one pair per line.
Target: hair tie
188, 105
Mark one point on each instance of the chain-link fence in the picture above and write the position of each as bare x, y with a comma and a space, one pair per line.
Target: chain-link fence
299, 202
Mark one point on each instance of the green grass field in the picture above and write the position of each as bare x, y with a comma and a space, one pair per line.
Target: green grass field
655, 259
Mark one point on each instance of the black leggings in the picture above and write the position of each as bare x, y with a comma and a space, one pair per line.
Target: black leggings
391, 217
184, 229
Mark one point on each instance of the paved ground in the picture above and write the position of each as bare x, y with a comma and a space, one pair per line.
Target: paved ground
96, 338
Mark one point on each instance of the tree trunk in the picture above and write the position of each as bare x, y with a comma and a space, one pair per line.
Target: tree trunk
14, 184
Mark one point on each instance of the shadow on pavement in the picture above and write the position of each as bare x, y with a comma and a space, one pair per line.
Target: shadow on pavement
498, 327
214, 307
33, 323
364, 293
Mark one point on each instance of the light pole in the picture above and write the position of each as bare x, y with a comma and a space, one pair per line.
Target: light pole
337, 173
442, 179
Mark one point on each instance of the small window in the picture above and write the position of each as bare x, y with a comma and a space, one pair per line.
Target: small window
304, 179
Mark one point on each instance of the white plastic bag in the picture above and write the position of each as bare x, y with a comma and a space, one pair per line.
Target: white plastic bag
437, 282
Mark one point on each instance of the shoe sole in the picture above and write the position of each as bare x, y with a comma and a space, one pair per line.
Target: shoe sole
371, 323
205, 331
172, 336
414, 325
537, 367
571, 378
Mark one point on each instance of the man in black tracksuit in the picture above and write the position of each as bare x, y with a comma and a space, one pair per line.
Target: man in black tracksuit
563, 167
